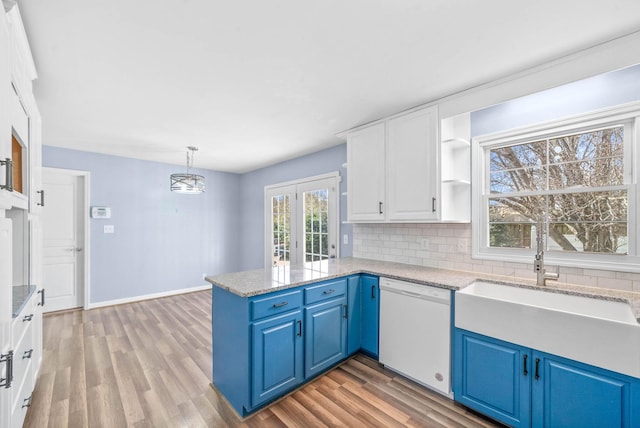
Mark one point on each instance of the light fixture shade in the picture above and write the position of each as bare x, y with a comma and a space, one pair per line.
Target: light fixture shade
187, 183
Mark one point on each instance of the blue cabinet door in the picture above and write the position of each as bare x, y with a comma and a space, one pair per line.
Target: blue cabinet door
370, 293
492, 377
325, 332
354, 323
572, 394
277, 356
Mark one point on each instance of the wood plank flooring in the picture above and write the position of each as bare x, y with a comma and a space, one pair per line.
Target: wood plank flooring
148, 364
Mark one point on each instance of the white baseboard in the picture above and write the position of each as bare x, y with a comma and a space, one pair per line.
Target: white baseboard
147, 297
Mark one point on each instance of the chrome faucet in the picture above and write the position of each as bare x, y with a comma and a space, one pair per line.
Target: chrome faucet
538, 262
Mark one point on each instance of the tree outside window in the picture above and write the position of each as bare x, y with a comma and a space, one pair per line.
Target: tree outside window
571, 184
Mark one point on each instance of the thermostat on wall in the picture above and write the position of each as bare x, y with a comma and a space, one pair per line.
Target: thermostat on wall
100, 212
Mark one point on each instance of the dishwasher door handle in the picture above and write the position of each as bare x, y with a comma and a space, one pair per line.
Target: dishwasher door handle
416, 295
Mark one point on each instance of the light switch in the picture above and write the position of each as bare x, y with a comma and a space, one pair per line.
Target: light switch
345, 239
109, 228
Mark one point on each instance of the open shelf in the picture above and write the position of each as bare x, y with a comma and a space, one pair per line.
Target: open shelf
456, 143
456, 182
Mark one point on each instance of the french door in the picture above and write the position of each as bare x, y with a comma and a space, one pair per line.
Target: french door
301, 221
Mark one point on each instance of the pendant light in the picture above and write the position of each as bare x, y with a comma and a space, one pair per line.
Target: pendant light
188, 183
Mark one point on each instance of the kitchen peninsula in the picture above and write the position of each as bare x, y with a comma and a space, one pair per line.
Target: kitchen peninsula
275, 329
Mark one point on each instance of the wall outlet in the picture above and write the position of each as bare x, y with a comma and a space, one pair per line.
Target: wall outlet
424, 243
204, 276
461, 246
109, 228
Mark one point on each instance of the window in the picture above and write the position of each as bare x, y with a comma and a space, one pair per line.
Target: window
301, 221
574, 179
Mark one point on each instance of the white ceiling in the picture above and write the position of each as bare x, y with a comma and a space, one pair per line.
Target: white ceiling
255, 82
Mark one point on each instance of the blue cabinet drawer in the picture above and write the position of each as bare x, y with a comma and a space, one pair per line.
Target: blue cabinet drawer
273, 305
326, 290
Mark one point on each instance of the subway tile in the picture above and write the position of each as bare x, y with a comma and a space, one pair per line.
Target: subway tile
615, 284
445, 232
600, 273
587, 281
628, 275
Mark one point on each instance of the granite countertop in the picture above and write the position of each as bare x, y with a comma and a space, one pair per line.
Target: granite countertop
261, 281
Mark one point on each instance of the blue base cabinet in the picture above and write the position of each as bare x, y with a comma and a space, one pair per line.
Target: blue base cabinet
354, 322
364, 315
578, 395
277, 356
370, 301
267, 345
489, 376
523, 387
326, 335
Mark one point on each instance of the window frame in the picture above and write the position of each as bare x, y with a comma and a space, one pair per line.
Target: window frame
627, 115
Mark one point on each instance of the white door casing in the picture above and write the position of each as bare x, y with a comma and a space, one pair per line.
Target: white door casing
64, 258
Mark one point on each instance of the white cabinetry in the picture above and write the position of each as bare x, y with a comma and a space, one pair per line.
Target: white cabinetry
399, 170
5, 316
412, 166
20, 231
366, 181
5, 94
455, 168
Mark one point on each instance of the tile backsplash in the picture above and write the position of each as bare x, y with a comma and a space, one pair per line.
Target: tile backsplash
448, 246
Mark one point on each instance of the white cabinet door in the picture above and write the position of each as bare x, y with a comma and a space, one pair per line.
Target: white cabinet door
35, 223
5, 312
36, 199
365, 180
5, 93
412, 166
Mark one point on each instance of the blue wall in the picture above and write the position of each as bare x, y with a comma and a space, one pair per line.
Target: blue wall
605, 90
163, 241
253, 183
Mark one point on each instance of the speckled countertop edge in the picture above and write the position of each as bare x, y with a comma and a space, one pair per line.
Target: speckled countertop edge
262, 281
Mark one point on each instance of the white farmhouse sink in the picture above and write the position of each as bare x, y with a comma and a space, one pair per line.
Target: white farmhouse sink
594, 331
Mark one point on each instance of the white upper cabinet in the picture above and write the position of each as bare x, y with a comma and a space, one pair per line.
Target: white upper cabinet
5, 94
366, 181
412, 166
401, 170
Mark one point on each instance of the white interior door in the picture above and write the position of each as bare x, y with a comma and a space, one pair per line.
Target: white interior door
63, 239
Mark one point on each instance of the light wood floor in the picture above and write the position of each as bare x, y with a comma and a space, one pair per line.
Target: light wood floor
148, 364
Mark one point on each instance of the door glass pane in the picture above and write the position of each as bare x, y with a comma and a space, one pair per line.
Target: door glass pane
316, 214
281, 217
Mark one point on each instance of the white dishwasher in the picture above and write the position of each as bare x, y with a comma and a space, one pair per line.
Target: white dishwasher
415, 332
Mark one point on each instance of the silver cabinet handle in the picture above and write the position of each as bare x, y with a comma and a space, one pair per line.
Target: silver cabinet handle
433, 204
7, 358
41, 203
8, 174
